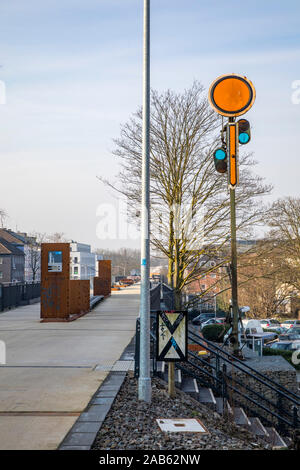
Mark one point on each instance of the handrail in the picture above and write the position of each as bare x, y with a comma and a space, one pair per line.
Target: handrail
238, 382
244, 396
264, 379
286, 414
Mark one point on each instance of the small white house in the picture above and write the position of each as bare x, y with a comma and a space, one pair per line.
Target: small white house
83, 263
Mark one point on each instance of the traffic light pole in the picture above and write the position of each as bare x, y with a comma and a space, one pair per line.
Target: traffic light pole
234, 287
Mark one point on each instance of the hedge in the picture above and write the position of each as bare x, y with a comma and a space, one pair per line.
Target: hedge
287, 355
215, 332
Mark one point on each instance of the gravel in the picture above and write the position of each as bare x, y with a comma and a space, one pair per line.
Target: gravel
131, 424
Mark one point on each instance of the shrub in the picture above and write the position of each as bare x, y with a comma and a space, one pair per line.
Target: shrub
287, 355
215, 332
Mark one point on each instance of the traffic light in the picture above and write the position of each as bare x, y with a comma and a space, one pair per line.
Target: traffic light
220, 160
244, 131
232, 142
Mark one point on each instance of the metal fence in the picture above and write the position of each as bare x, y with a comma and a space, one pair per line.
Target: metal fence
13, 295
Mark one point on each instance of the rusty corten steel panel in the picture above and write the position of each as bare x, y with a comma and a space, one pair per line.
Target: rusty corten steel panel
104, 269
55, 286
79, 296
102, 286
102, 283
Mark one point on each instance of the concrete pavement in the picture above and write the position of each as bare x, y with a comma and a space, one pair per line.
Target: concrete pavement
53, 369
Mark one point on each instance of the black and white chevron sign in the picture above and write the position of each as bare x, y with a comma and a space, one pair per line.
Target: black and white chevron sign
171, 334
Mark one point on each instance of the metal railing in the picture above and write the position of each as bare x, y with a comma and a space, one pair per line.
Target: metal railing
235, 381
240, 383
13, 295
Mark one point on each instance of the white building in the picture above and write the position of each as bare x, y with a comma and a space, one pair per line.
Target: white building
83, 263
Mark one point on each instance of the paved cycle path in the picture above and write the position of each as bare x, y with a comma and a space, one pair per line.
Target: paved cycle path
53, 369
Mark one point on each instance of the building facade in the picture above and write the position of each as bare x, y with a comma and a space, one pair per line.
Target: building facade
83, 261
12, 263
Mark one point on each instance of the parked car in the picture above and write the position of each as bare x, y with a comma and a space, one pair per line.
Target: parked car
212, 321
290, 334
279, 329
286, 345
205, 316
270, 323
290, 323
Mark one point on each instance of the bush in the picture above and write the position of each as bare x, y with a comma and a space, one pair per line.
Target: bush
287, 355
215, 332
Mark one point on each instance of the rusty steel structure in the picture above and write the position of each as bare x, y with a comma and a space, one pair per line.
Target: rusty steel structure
62, 299
102, 283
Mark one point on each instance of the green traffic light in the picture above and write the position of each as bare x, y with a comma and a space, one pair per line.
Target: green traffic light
220, 154
244, 138
220, 160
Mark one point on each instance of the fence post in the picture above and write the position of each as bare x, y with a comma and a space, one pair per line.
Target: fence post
217, 372
295, 417
224, 387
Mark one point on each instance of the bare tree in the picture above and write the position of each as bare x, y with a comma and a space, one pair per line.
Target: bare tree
284, 220
189, 200
3, 217
123, 260
57, 237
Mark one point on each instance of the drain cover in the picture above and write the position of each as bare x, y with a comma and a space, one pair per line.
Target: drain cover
181, 425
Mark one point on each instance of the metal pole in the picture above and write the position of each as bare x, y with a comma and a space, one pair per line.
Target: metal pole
234, 295
144, 386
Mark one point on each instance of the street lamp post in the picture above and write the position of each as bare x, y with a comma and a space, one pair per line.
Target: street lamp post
144, 385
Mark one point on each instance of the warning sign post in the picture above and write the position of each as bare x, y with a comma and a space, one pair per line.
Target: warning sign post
171, 341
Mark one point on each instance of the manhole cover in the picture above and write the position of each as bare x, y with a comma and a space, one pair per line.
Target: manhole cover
181, 425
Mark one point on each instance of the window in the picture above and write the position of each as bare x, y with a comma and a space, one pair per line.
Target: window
203, 286
212, 275
75, 269
1, 275
1, 260
76, 260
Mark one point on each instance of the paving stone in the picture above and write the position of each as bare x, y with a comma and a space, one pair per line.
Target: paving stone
80, 439
88, 426
103, 400
74, 448
106, 393
95, 413
109, 388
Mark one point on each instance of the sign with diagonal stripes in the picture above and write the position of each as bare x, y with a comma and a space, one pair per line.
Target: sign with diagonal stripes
171, 334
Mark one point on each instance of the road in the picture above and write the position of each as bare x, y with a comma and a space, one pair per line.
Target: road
51, 369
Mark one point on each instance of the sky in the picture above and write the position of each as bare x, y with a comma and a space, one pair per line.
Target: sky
72, 72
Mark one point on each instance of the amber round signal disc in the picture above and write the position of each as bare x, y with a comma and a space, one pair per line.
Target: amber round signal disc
231, 95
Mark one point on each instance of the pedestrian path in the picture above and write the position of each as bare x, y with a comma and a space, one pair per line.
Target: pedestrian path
53, 369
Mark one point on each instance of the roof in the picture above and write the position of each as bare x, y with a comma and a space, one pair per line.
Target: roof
7, 248
10, 237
